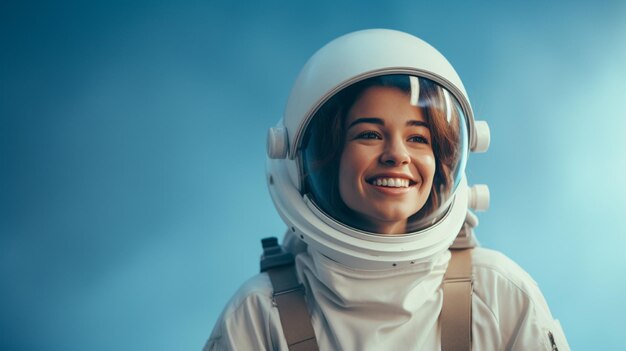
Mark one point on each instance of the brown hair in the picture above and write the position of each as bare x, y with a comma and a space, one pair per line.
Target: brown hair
325, 137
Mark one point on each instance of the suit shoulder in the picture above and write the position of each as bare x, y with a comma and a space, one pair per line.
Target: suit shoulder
491, 264
249, 312
253, 293
507, 289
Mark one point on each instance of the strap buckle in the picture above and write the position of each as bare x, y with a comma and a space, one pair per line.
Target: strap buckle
300, 287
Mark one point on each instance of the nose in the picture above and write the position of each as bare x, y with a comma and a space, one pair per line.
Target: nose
395, 153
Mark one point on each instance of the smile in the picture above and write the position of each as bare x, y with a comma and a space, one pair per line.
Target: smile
391, 182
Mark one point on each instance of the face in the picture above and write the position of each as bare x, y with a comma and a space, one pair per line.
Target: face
387, 165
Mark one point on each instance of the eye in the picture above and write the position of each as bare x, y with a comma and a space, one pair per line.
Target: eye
418, 139
368, 135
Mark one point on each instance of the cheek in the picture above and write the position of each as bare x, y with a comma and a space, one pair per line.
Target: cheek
352, 165
426, 165
353, 161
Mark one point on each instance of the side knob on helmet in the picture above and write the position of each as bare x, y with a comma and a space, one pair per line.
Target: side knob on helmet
277, 142
478, 198
483, 136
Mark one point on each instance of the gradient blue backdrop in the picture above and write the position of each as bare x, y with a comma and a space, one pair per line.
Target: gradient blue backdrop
132, 148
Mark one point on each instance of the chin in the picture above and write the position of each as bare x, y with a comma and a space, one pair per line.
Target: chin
393, 218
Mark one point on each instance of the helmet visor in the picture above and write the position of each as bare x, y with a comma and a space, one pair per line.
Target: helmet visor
385, 155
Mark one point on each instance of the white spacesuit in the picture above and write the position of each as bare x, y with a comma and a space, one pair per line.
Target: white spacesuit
367, 169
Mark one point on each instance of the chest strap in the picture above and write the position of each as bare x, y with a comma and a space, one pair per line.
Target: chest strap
456, 313
288, 296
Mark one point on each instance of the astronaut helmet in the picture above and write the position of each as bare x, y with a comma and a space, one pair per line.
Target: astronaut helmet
367, 165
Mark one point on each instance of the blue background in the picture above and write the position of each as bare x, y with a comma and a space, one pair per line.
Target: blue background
132, 155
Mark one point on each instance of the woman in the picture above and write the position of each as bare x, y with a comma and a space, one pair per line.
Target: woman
359, 125
367, 171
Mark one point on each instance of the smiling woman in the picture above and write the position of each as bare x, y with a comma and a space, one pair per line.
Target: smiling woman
367, 169
384, 154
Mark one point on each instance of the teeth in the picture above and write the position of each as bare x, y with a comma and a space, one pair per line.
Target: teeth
391, 182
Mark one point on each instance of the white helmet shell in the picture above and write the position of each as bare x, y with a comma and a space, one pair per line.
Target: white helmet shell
340, 63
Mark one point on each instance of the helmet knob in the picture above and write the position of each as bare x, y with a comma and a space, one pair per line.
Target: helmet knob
478, 198
483, 136
277, 142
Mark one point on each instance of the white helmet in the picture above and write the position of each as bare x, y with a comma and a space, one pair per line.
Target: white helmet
305, 150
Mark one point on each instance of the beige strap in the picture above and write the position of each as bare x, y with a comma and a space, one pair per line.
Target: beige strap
294, 315
456, 313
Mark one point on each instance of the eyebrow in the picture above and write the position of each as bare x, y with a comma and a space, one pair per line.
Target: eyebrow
375, 120
417, 123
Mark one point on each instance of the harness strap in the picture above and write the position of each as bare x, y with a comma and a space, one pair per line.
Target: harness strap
456, 313
294, 315
288, 297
